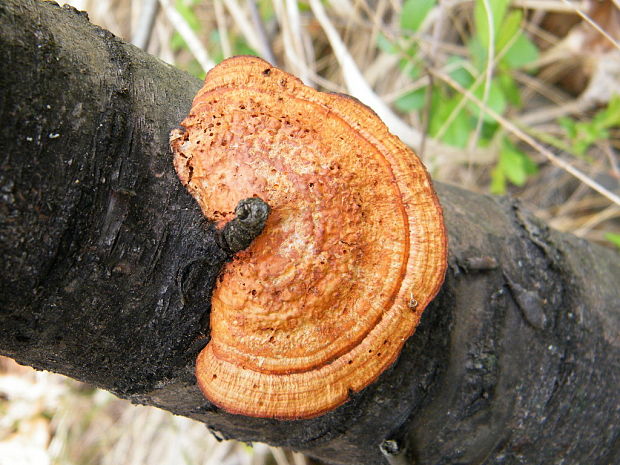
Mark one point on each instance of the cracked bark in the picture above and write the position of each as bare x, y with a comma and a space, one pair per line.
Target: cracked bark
108, 267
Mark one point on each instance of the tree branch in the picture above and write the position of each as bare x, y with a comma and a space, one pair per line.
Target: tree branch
108, 267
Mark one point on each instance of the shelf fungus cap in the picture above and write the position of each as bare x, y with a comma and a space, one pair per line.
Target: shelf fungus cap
353, 249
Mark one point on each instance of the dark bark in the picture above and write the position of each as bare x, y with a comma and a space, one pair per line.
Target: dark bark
108, 265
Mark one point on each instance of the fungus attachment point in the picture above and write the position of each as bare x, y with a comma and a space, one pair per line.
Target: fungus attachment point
318, 304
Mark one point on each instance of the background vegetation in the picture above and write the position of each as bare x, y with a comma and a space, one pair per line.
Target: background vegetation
498, 96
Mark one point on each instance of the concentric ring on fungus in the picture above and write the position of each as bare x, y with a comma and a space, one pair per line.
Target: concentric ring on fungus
323, 300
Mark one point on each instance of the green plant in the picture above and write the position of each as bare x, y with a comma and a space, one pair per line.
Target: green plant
613, 238
513, 166
177, 43
186, 9
582, 134
496, 46
239, 46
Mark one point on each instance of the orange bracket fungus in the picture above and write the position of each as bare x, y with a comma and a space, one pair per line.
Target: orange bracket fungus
352, 251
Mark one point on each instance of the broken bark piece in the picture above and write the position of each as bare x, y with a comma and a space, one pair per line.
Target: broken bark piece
319, 303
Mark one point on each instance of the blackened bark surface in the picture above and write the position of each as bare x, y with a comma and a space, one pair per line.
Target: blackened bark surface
107, 268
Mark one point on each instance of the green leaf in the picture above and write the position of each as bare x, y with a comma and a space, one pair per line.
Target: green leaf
459, 130
460, 127
215, 41
460, 73
498, 181
613, 110
515, 164
610, 116
487, 133
509, 88
185, 10
184, 7
386, 44
583, 134
478, 54
496, 100
512, 166
177, 42
569, 126
530, 165
267, 12
481, 20
410, 101
410, 68
509, 29
593, 131
304, 6
613, 238
522, 52
241, 47
414, 12
194, 68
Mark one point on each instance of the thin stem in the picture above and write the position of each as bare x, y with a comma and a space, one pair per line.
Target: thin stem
189, 36
488, 75
220, 18
513, 129
144, 30
592, 23
261, 32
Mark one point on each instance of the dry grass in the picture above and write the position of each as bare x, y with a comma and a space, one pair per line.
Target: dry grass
333, 46
47, 419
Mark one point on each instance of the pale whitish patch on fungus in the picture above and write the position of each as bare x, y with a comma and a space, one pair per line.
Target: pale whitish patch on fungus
320, 303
